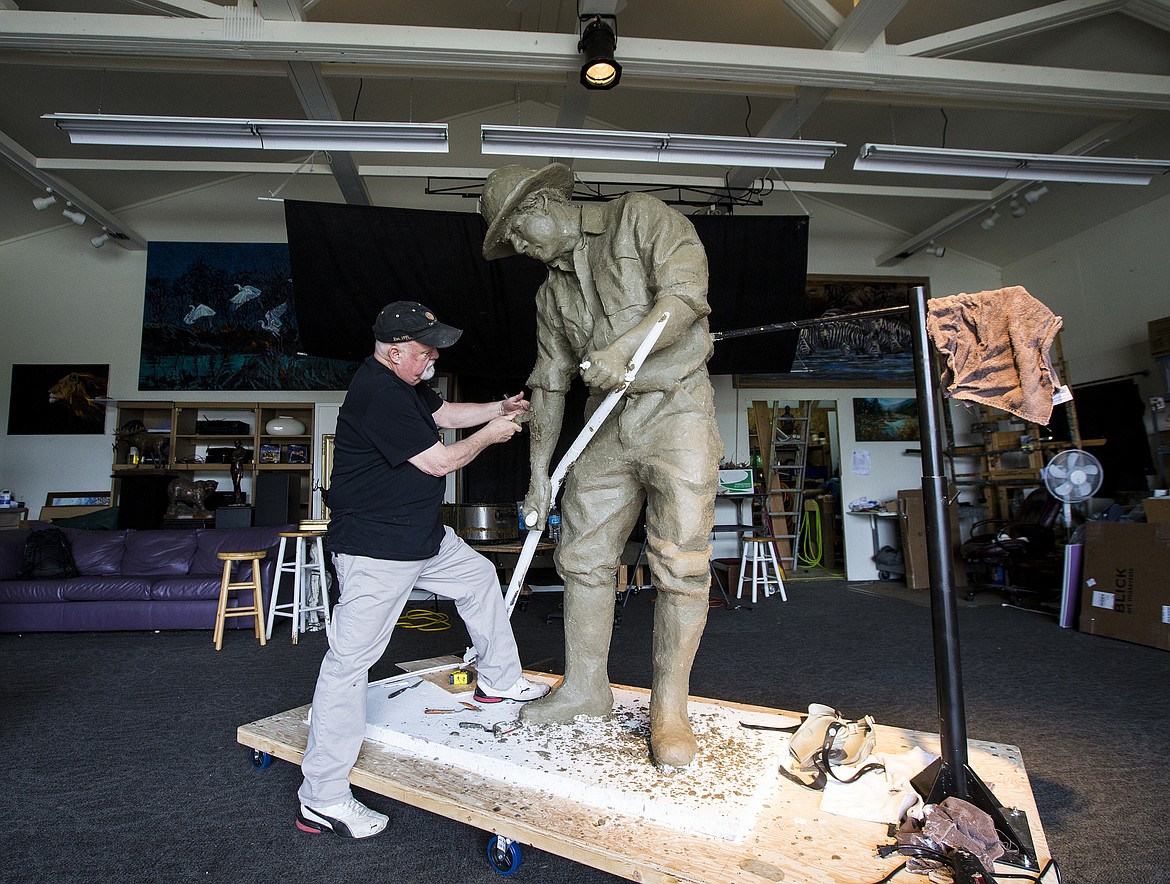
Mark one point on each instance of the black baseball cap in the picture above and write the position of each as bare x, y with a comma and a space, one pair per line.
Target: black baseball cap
411, 321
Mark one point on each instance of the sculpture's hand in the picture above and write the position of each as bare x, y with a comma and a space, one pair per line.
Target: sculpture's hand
606, 369
537, 501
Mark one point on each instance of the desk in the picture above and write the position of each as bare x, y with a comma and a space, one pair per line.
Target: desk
876, 516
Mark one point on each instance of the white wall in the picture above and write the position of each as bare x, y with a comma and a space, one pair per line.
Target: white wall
1106, 283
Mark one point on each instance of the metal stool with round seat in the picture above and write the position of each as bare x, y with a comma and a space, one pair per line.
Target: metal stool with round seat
303, 568
227, 585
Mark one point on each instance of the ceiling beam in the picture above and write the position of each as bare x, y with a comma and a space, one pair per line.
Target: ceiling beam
817, 15
864, 25
1023, 24
1152, 12
179, 8
26, 164
521, 54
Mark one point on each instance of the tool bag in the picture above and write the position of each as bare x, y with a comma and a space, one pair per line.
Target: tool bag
826, 740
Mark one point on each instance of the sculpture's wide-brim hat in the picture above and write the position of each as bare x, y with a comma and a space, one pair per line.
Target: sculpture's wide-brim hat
505, 189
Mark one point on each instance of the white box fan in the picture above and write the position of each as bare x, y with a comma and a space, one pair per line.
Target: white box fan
1073, 476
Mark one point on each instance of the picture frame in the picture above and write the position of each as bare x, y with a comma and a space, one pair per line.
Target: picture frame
874, 353
886, 419
269, 453
78, 498
296, 453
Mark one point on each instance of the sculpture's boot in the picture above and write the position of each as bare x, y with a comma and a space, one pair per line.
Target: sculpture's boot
678, 626
588, 629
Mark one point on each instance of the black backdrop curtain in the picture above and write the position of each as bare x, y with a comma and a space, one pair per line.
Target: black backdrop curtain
1114, 412
350, 261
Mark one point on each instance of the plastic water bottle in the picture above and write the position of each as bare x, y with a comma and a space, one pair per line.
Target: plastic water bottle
554, 524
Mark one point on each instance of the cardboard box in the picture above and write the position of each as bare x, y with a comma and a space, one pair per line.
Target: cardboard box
912, 521
1159, 337
1157, 509
1124, 591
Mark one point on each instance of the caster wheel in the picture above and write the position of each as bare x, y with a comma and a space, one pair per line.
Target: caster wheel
884, 575
260, 760
503, 855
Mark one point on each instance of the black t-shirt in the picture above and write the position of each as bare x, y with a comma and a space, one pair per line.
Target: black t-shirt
380, 504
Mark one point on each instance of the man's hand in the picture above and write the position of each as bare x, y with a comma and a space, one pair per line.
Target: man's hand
607, 369
537, 500
500, 429
514, 405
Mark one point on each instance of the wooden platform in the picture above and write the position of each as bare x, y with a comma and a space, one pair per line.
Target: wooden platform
792, 841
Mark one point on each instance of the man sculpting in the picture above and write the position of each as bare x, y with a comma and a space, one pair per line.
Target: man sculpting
613, 269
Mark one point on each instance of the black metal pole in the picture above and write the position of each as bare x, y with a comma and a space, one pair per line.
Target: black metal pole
951, 775
939, 543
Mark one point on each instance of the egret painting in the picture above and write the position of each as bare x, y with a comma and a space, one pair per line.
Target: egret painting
220, 316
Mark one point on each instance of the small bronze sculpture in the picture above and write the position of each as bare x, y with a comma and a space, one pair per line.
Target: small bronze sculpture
240, 456
189, 497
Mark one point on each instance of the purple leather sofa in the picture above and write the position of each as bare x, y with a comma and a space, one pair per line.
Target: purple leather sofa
131, 580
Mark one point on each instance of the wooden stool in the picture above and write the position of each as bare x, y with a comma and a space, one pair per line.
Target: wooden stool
226, 585
301, 569
766, 571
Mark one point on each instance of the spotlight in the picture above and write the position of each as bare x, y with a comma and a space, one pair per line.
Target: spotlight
73, 215
989, 222
1018, 209
937, 251
598, 41
100, 240
1034, 195
43, 202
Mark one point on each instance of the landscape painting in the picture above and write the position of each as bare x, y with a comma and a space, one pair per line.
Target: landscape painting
886, 420
220, 316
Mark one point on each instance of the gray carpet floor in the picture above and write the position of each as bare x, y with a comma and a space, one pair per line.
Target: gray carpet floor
122, 764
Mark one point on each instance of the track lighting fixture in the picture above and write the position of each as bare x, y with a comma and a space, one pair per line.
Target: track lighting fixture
989, 222
73, 215
597, 44
100, 240
937, 251
1017, 208
41, 203
1034, 194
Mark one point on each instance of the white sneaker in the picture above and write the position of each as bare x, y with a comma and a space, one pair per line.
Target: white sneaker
522, 691
349, 819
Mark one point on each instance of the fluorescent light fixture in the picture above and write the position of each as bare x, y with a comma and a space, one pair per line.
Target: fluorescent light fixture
1000, 164
262, 134
656, 147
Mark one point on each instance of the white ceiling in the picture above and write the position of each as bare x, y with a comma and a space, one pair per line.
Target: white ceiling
993, 75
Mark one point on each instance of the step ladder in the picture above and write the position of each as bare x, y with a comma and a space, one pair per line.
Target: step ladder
784, 494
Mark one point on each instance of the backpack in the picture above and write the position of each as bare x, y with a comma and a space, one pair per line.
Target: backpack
47, 555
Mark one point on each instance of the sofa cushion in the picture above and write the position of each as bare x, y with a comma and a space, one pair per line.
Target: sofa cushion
76, 589
30, 591
158, 553
105, 589
198, 586
97, 552
213, 540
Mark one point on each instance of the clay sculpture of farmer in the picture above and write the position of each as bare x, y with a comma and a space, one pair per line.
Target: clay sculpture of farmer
613, 269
